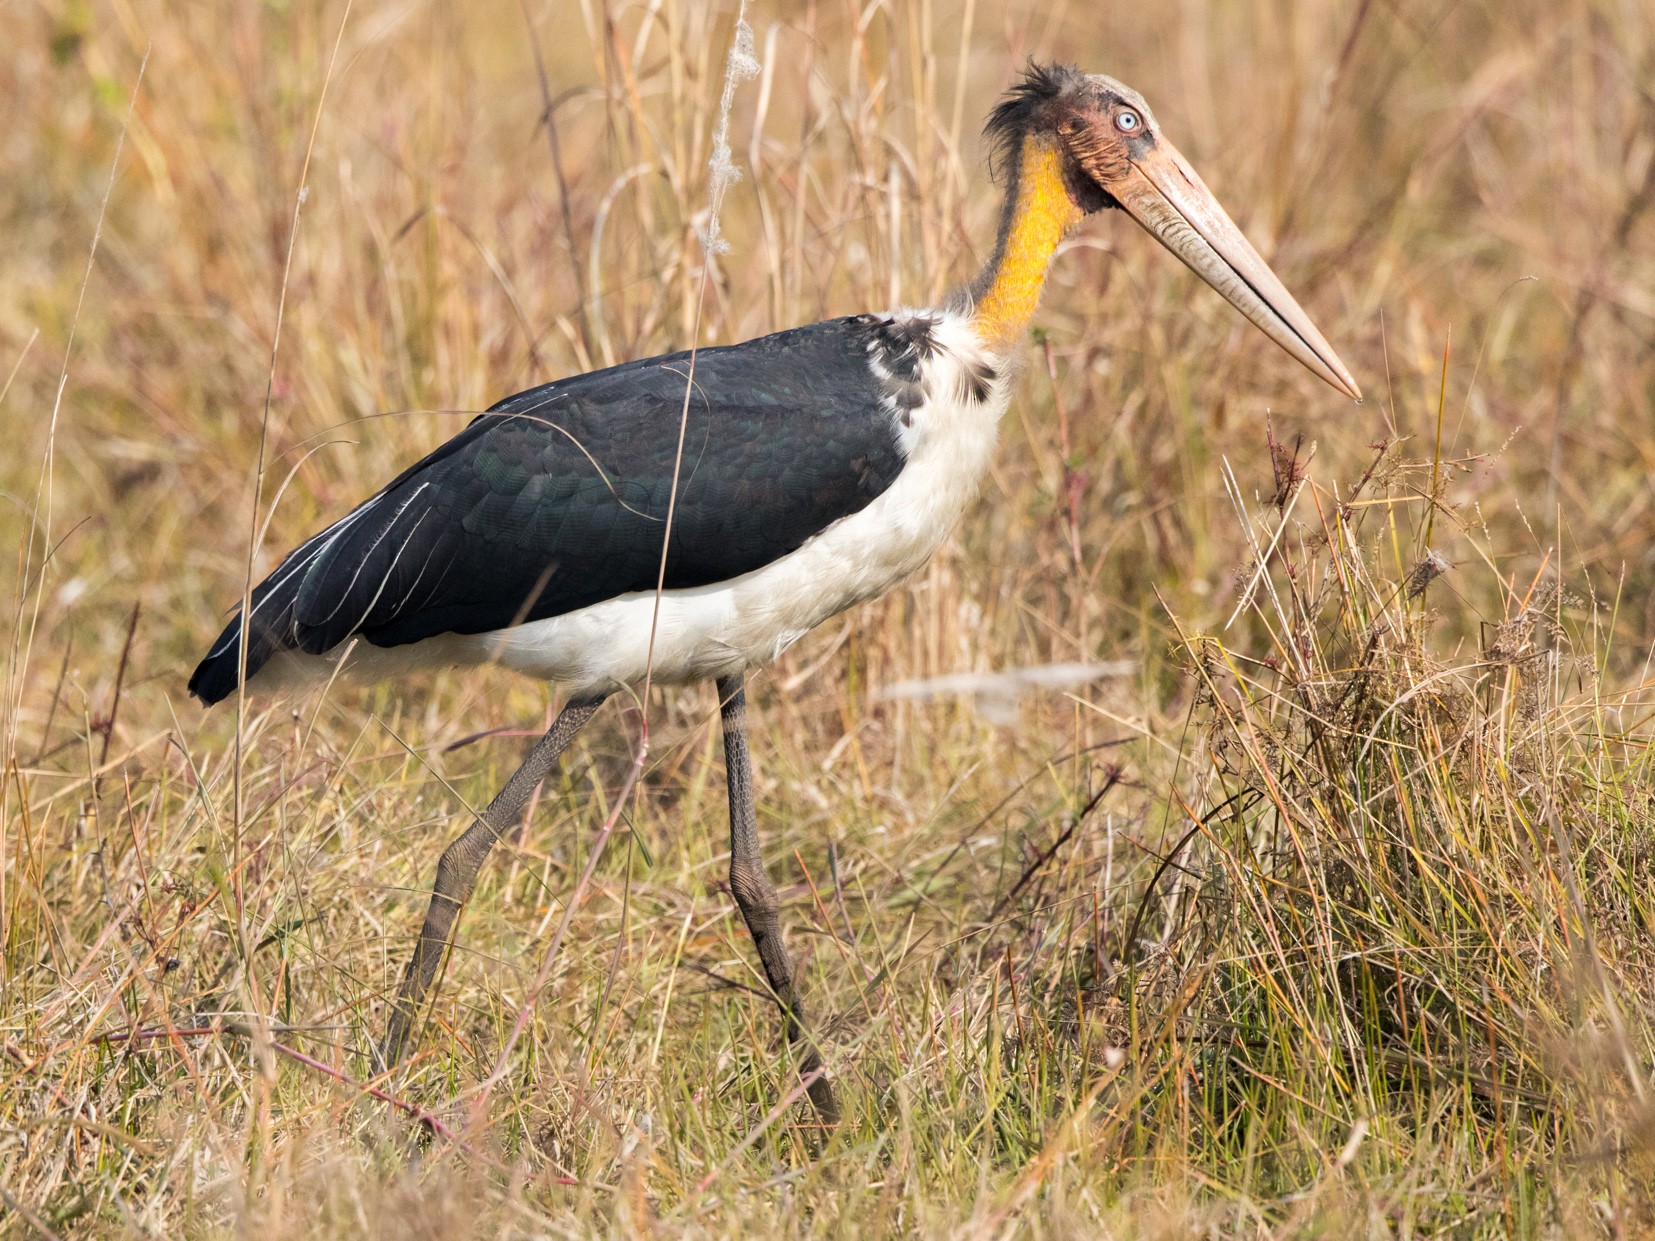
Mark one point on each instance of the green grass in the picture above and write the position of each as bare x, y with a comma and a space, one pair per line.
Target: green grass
1331, 917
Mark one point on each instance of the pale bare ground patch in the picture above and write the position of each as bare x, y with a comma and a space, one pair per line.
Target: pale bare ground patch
1330, 916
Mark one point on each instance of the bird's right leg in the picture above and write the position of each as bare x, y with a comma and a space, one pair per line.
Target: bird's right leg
757, 899
457, 872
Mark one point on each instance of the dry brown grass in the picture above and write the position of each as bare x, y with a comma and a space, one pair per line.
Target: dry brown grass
1335, 920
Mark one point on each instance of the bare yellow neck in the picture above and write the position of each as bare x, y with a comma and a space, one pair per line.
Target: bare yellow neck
1041, 212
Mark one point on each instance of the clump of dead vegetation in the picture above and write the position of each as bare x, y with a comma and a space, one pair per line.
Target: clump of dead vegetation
1404, 888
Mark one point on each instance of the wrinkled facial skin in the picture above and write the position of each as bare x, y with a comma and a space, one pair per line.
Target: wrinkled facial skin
1102, 139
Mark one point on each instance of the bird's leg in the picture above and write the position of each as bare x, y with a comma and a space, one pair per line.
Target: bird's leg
756, 896
457, 872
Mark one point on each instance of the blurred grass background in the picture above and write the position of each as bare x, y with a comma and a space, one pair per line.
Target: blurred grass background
1332, 920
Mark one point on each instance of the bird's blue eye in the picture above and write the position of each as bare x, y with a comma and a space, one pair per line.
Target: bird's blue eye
1127, 121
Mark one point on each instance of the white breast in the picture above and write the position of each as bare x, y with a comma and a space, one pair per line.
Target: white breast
712, 631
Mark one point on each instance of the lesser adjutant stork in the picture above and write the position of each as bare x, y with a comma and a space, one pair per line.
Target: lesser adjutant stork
821, 467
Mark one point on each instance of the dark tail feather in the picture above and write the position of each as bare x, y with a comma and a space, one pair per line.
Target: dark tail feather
273, 630
214, 678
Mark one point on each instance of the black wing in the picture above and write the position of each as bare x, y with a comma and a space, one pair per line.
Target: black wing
556, 498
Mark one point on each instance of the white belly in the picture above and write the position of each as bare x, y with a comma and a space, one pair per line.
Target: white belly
712, 631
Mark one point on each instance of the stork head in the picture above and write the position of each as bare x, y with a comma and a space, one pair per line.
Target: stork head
1110, 153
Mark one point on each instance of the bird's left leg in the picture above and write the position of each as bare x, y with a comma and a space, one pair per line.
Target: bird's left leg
457, 872
757, 899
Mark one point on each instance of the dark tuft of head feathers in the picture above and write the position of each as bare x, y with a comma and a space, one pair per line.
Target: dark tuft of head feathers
1024, 106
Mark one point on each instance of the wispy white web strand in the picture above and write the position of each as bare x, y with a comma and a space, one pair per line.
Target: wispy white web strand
741, 64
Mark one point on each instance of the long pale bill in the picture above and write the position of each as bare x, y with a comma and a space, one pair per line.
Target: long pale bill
1164, 194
